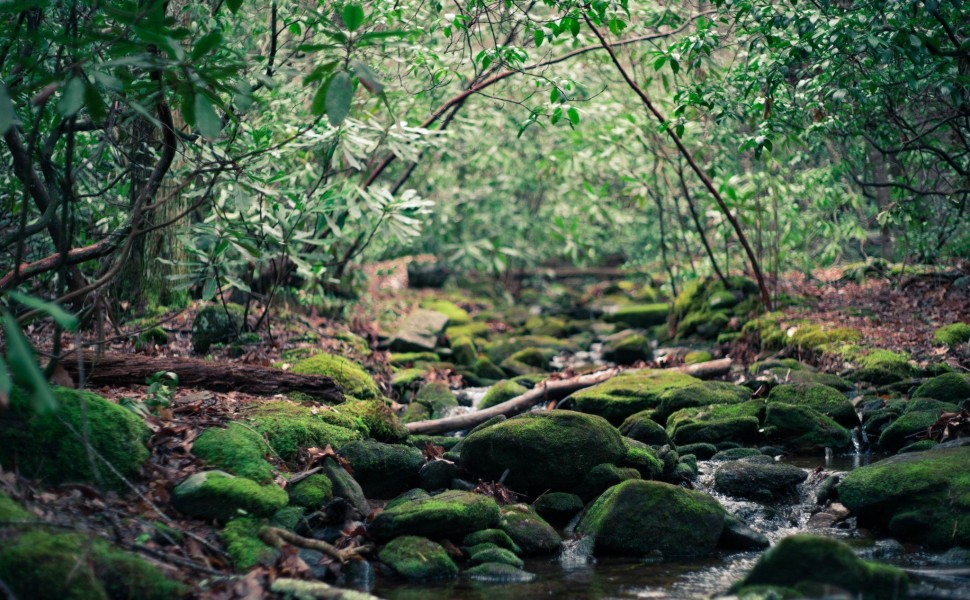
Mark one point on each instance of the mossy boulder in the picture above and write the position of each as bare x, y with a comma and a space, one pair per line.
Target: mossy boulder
642, 316
702, 393
643, 428
643, 458
637, 518
46, 445
383, 470
883, 367
601, 477
702, 451
492, 572
495, 555
705, 324
949, 387
237, 449
42, 565
405, 359
916, 419
764, 482
826, 400
626, 348
486, 369
456, 314
802, 560
375, 419
290, 428
501, 349
716, 423
436, 398
418, 558
221, 496
500, 392
463, 351
526, 361
352, 378
952, 335
345, 486
558, 508
448, 514
216, 324
407, 379
244, 546
921, 496
529, 531
534, 447
804, 429
629, 393
312, 492
419, 331
496, 537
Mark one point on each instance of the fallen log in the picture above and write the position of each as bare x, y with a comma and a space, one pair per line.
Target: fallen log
549, 390
134, 369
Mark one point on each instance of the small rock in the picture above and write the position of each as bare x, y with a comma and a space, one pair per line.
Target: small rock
756, 481
499, 573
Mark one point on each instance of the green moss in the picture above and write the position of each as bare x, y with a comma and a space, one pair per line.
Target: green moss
529, 531
952, 335
155, 335
640, 315
313, 492
486, 369
216, 324
237, 449
641, 427
54, 566
11, 511
463, 350
641, 457
604, 476
288, 517
497, 537
383, 470
400, 359
698, 394
46, 446
949, 387
913, 423
500, 392
219, 495
706, 324
437, 397
828, 401
351, 377
476, 331
697, 356
456, 315
375, 419
244, 546
549, 326
290, 427
882, 367
499, 350
495, 555
803, 558
404, 379
450, 513
737, 422
627, 349
768, 331
803, 428
418, 558
818, 338
778, 363
629, 393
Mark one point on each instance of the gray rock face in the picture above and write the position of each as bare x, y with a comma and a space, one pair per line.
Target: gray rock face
419, 331
757, 481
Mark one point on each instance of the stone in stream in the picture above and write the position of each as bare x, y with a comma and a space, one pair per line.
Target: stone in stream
496, 537
219, 495
528, 530
703, 393
738, 535
498, 573
543, 450
629, 393
602, 477
481, 555
804, 429
949, 387
811, 563
765, 482
383, 470
448, 514
637, 518
826, 400
922, 497
627, 347
419, 331
558, 508
418, 558
918, 415
717, 423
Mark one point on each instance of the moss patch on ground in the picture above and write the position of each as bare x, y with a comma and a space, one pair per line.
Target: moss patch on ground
244, 546
629, 393
290, 427
218, 495
953, 334
351, 377
237, 449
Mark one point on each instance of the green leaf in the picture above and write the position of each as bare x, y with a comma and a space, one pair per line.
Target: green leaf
206, 44
353, 15
556, 115
6, 384
206, 120
60, 316
538, 36
209, 290
72, 99
7, 112
340, 93
94, 103
573, 115
234, 5
368, 78
20, 357
659, 63
319, 104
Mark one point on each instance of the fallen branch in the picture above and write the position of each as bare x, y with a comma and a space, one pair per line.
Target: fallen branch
318, 590
550, 390
128, 369
276, 537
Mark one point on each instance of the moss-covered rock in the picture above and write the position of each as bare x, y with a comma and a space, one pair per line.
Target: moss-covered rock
643, 428
495, 555
496, 537
629, 393
41, 565
703, 393
407, 379
705, 324
476, 330
244, 546
436, 397
219, 495
952, 335
419, 331
290, 427
312, 492
643, 458
533, 446
404, 359
450, 513
716, 423
917, 417
697, 356
642, 316
550, 326
882, 367
11, 511
558, 508
418, 558
486, 369
637, 518
345, 486
500, 392
155, 335
763, 482
922, 496
216, 324
383, 470
949, 387
456, 314
826, 400
702, 451
806, 559
804, 429
601, 477
375, 419
626, 348
526, 361
46, 446
499, 350
529, 531
236, 449
492, 572
351, 377
463, 351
